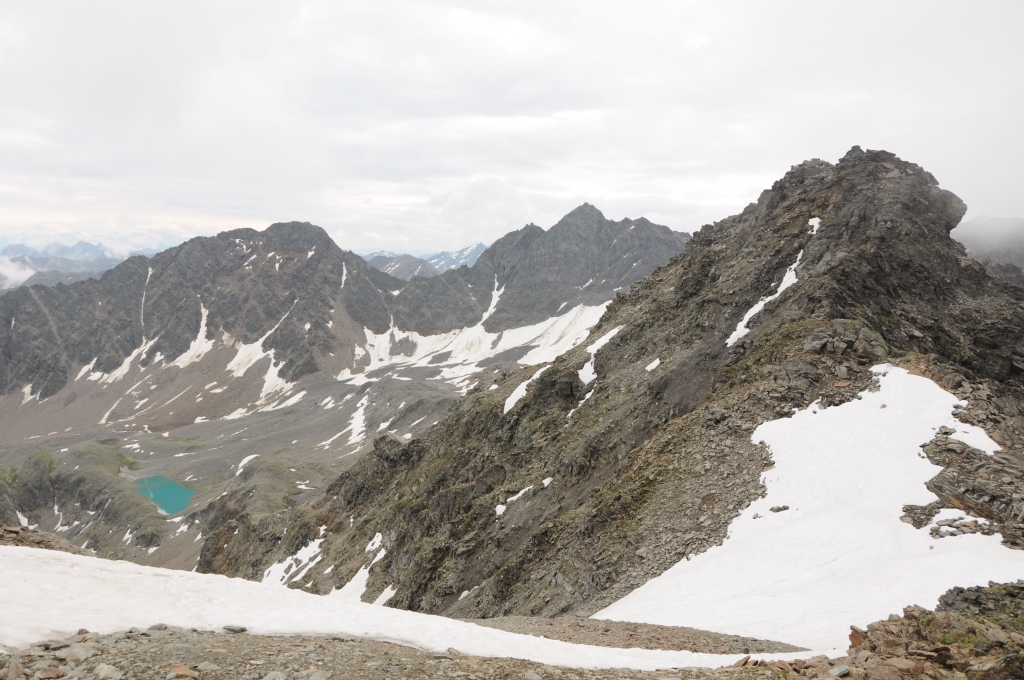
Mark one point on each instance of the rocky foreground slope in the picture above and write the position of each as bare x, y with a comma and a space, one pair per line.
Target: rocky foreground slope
554, 492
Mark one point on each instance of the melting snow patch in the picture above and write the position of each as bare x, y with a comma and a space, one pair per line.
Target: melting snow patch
87, 368
244, 461
499, 510
520, 494
520, 391
547, 481
579, 405
814, 223
587, 373
122, 370
840, 555
465, 347
358, 422
788, 280
293, 568
653, 365
374, 542
199, 347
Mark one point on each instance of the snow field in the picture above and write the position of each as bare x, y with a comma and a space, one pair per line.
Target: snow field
49, 594
840, 555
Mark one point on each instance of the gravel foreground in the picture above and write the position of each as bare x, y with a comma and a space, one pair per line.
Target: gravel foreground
974, 634
642, 635
165, 653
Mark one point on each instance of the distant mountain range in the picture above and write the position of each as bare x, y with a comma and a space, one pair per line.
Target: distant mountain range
80, 251
404, 266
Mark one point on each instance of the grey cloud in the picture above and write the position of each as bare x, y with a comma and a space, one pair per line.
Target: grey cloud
427, 126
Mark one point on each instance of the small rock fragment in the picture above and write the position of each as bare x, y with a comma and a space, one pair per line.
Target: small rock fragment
14, 670
182, 671
235, 629
105, 671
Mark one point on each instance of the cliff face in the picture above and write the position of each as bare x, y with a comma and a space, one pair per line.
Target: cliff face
620, 460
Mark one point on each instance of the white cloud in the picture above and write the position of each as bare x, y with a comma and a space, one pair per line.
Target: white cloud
13, 274
411, 125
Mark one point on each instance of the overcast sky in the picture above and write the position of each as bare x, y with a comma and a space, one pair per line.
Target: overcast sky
431, 125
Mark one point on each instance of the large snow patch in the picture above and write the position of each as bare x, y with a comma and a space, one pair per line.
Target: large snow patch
840, 555
48, 594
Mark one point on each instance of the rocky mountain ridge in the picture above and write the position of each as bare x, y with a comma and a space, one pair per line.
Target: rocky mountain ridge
559, 491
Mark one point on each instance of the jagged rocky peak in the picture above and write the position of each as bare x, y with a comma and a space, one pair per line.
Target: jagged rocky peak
565, 487
584, 258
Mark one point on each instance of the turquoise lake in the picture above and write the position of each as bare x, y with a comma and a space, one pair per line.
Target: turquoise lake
169, 496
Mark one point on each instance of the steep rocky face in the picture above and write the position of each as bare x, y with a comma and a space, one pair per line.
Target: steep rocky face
544, 493
268, 286
584, 259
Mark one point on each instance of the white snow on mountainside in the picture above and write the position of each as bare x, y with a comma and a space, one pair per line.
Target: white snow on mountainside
49, 594
446, 260
839, 554
464, 348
